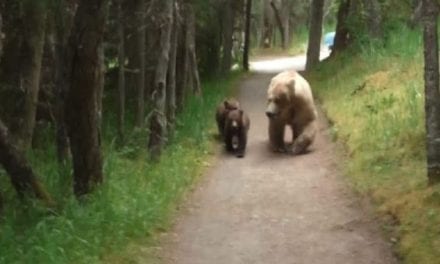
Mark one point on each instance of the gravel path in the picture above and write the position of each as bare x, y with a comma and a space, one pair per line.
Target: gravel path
274, 208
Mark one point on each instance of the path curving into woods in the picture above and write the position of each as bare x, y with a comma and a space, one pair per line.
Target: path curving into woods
274, 208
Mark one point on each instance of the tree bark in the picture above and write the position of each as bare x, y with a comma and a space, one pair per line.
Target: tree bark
228, 20
171, 78
141, 41
182, 72
374, 18
315, 32
22, 176
32, 54
279, 23
81, 103
342, 33
247, 35
158, 118
64, 15
121, 73
192, 57
432, 92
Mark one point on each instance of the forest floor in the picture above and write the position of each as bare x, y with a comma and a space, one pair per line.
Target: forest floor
274, 208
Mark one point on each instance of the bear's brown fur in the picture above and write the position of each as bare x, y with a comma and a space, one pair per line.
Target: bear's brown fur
222, 111
290, 103
237, 125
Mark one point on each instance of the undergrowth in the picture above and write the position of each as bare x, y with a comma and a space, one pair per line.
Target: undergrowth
375, 100
136, 199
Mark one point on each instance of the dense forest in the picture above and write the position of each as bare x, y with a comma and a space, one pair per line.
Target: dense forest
105, 104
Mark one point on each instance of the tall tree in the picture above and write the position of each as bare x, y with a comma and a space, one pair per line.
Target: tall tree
247, 36
315, 32
171, 78
374, 18
432, 92
121, 71
32, 54
81, 104
158, 120
63, 13
140, 41
342, 31
228, 21
192, 55
279, 24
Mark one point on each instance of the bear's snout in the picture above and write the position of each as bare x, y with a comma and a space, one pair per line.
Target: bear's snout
270, 114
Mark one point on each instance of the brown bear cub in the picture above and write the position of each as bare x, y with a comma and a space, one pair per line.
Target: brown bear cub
222, 111
237, 125
233, 125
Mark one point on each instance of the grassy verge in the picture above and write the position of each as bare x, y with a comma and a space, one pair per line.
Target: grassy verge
136, 199
375, 100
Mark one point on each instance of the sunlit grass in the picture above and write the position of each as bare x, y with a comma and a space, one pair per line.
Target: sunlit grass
375, 100
135, 200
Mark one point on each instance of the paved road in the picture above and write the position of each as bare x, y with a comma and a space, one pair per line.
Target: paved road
273, 208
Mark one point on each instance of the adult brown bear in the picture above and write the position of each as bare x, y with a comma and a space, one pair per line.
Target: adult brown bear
290, 103
237, 125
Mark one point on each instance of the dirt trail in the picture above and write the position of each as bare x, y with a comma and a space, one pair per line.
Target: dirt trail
273, 208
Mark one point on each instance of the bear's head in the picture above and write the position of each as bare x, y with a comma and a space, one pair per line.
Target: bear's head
231, 104
279, 96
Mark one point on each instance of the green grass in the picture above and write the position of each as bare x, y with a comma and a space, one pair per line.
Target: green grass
136, 199
375, 101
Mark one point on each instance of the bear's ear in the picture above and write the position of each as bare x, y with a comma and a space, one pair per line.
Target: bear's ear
226, 103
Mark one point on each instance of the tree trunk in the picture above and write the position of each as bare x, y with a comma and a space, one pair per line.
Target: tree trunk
158, 119
81, 104
121, 72
171, 78
192, 58
267, 26
432, 93
32, 54
279, 23
374, 18
247, 37
64, 15
342, 33
228, 20
141, 41
315, 32
182, 71
22, 177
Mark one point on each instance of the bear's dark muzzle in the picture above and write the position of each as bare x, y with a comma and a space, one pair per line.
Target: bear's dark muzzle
270, 114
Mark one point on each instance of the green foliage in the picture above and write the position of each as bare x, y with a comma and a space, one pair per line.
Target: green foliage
375, 101
135, 200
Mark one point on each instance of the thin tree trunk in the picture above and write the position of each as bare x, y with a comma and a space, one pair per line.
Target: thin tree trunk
141, 45
182, 61
374, 18
64, 15
315, 32
247, 35
81, 103
158, 119
432, 93
171, 79
32, 54
192, 58
228, 20
22, 177
121, 73
342, 32
279, 23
